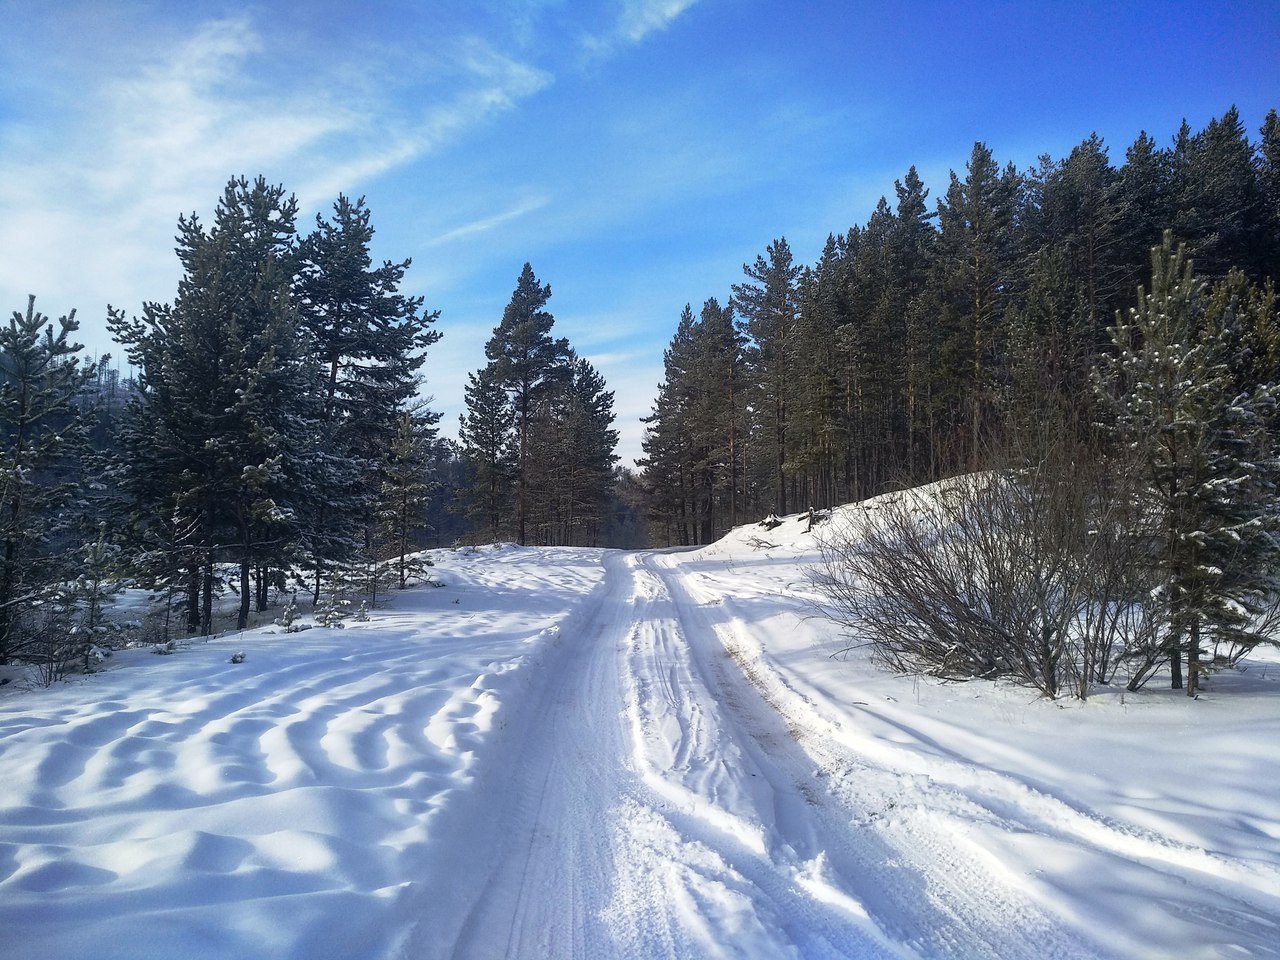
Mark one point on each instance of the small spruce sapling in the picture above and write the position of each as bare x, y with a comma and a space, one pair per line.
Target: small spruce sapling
333, 609
289, 616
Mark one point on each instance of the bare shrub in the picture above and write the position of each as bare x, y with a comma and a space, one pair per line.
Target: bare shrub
1027, 574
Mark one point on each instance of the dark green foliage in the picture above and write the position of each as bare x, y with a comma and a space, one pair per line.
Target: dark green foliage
267, 400
42, 436
538, 433
1179, 392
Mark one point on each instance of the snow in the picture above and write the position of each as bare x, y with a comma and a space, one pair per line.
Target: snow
567, 753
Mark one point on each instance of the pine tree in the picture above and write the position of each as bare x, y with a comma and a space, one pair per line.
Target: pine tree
769, 308
220, 445
1220, 202
1205, 450
1143, 198
589, 455
488, 447
369, 341
1269, 177
914, 239
42, 438
527, 363
820, 426
977, 250
718, 418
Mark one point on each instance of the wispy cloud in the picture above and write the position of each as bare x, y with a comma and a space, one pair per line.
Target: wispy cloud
635, 21
485, 224
91, 199
641, 17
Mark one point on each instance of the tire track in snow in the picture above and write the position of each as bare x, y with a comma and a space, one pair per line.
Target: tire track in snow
908, 873
1006, 810
649, 803
599, 854
552, 875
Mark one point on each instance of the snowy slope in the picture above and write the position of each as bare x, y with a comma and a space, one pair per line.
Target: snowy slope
572, 753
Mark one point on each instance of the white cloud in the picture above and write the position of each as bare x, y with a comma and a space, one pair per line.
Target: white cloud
642, 17
635, 21
485, 224
91, 198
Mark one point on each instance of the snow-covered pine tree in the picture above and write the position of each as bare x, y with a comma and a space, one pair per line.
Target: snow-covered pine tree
223, 422
370, 342
96, 584
41, 440
1209, 469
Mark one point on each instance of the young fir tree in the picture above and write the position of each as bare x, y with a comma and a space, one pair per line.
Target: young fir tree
1171, 393
41, 441
406, 490
527, 362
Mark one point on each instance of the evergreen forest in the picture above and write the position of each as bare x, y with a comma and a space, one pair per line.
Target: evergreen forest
923, 342
271, 439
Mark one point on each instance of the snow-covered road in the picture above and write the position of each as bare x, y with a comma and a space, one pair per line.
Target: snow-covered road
575, 753
663, 808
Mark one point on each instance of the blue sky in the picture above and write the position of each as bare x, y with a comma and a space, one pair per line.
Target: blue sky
636, 152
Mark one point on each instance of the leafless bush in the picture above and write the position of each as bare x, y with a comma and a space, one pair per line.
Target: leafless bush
1028, 574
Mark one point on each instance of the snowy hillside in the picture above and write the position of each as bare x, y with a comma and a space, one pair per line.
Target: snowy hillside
571, 753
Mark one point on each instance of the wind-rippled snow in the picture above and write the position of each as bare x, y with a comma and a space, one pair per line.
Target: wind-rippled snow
585, 753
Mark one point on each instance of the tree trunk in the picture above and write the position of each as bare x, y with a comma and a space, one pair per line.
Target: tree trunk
193, 599
242, 617
206, 604
1193, 659
263, 587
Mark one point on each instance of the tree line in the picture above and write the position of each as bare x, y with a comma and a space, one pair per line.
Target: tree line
1148, 540
272, 437
918, 341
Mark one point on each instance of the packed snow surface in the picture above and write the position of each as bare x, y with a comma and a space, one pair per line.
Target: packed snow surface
584, 753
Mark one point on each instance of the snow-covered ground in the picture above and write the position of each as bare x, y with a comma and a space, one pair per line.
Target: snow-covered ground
580, 753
